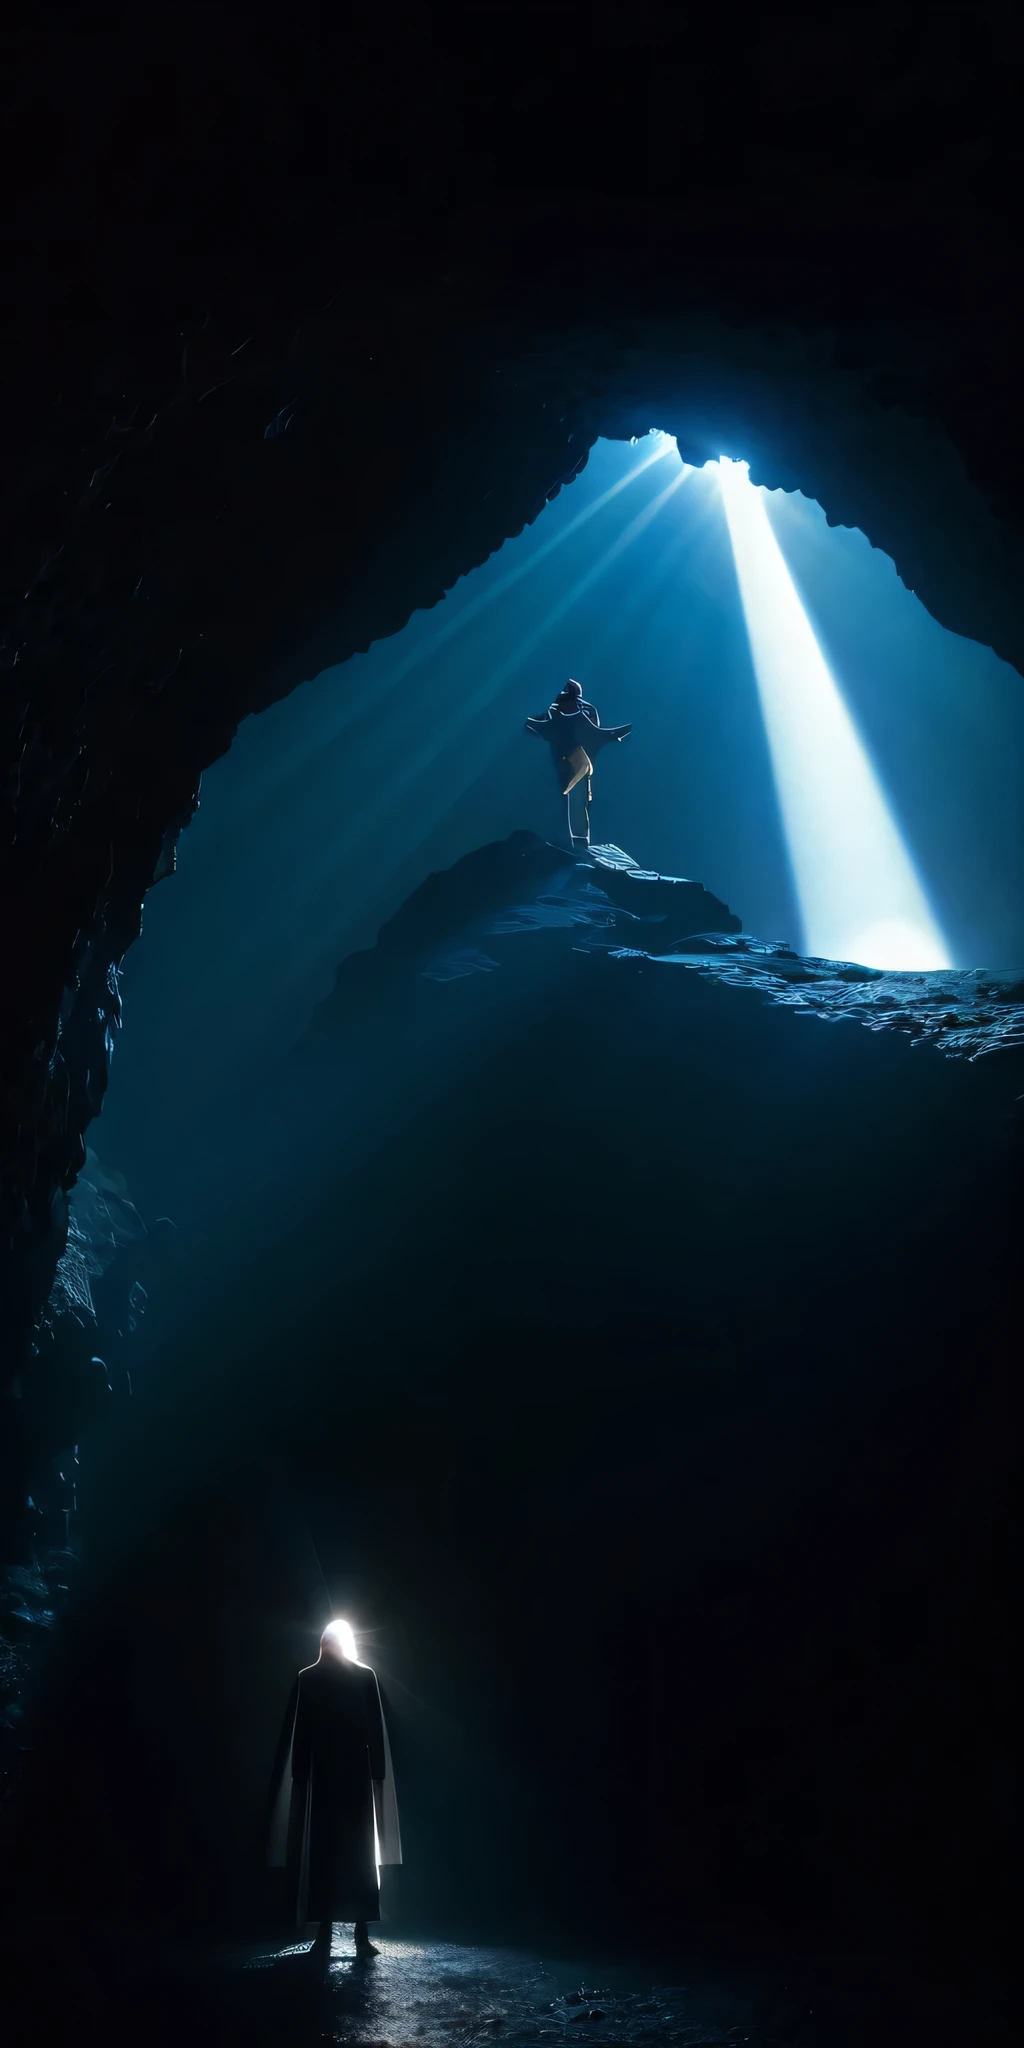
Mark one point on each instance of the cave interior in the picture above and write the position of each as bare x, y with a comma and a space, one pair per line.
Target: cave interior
538, 1261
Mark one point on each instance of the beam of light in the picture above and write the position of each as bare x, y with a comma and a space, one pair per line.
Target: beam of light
663, 446
355, 703
478, 701
860, 897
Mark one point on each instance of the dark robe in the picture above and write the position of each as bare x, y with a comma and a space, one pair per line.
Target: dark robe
332, 1754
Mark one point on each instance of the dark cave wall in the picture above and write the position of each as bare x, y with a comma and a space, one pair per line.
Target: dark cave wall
285, 368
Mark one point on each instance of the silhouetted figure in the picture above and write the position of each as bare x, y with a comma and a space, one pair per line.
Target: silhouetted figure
575, 735
334, 1818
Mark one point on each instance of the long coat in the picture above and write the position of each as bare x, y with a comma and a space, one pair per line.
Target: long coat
333, 1783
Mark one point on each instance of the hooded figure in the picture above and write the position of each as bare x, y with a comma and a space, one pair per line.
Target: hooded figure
575, 734
334, 1817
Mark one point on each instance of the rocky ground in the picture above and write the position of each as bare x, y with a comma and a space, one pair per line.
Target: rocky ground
463, 921
430, 1994
441, 1994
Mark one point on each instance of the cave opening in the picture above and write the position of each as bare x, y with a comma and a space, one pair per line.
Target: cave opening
334, 804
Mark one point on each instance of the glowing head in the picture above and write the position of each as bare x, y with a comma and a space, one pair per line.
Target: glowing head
338, 1640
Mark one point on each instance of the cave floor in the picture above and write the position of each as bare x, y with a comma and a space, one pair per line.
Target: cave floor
431, 1994
442, 1995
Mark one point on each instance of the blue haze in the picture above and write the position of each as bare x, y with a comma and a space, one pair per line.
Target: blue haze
332, 805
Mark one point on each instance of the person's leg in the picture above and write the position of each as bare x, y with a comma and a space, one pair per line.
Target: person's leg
364, 1946
320, 1953
579, 817
574, 772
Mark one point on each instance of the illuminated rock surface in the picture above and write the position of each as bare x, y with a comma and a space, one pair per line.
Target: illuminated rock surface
461, 923
963, 1012
514, 887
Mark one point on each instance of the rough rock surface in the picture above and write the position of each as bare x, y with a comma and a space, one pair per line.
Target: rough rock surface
464, 920
965, 1013
519, 884
79, 1373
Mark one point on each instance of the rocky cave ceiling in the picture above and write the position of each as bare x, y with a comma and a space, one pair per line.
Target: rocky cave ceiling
302, 318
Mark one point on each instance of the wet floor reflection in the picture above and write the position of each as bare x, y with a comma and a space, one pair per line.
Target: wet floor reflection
442, 1995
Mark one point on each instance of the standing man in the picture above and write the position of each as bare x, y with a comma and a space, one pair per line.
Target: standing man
335, 1818
575, 734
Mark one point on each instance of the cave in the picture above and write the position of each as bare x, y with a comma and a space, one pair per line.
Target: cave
592, 1269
